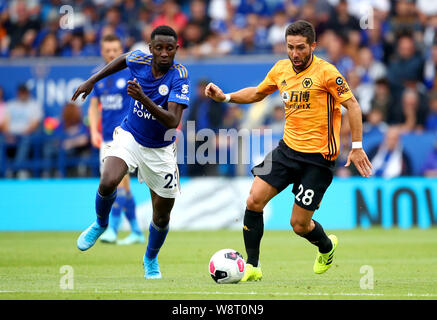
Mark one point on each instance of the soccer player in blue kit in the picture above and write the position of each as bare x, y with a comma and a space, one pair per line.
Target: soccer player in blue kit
111, 93
160, 92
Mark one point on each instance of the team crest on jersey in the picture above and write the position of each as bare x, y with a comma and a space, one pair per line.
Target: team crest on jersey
307, 83
163, 90
121, 83
285, 96
339, 81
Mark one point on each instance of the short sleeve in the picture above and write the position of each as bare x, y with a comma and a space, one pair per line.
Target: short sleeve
136, 60
268, 85
180, 89
336, 85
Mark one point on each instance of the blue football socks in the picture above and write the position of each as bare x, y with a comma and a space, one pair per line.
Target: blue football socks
103, 207
157, 237
120, 200
129, 207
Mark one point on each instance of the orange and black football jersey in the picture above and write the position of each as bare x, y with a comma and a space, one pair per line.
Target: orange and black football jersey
312, 100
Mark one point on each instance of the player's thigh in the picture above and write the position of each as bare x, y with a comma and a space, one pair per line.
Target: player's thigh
261, 192
158, 169
105, 145
119, 157
160, 204
114, 169
311, 185
271, 177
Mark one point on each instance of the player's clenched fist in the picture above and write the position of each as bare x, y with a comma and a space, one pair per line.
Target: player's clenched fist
214, 92
134, 90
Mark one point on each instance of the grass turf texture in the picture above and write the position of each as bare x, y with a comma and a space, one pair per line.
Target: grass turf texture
403, 263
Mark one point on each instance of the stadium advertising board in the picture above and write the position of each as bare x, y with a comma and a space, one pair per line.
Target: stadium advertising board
218, 203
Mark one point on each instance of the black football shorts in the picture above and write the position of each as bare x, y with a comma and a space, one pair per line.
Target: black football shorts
310, 174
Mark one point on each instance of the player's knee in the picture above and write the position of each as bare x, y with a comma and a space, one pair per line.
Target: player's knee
161, 221
299, 227
254, 203
107, 185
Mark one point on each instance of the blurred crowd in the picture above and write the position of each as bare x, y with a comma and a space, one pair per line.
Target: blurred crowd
386, 49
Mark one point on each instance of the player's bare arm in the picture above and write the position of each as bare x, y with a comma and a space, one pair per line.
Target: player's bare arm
114, 66
357, 156
94, 117
169, 118
243, 96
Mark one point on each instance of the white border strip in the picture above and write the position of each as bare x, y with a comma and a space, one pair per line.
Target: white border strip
346, 294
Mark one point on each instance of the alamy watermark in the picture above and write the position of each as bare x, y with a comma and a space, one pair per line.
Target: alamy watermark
367, 17
67, 279
66, 22
224, 146
367, 280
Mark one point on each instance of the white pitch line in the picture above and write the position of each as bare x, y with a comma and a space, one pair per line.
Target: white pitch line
228, 293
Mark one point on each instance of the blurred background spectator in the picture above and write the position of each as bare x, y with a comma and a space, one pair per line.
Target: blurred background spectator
74, 135
68, 144
2, 131
205, 113
2, 113
382, 100
276, 121
389, 159
430, 164
21, 127
431, 120
386, 49
413, 118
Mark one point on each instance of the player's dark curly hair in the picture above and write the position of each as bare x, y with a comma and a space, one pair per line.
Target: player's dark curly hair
164, 31
302, 28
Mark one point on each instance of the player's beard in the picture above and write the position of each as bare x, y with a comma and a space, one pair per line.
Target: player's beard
164, 67
304, 63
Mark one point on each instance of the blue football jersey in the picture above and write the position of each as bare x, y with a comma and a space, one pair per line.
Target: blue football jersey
171, 87
112, 93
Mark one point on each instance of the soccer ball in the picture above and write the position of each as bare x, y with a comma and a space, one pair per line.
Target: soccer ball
227, 266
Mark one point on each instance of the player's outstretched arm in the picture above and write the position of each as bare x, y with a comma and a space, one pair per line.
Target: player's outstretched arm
243, 96
114, 66
357, 155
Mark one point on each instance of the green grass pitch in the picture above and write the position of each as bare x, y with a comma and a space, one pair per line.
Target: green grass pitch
403, 264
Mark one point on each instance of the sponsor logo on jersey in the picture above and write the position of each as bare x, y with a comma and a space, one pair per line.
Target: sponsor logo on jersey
297, 100
342, 89
182, 96
142, 112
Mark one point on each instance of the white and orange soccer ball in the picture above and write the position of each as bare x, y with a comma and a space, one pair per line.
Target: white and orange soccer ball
227, 266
